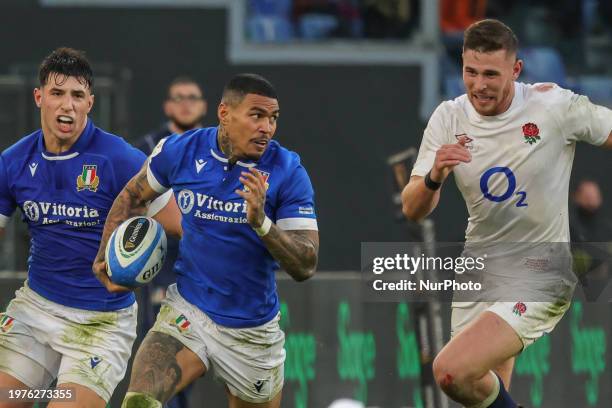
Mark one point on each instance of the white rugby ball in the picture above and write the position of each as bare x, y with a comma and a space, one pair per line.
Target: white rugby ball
136, 252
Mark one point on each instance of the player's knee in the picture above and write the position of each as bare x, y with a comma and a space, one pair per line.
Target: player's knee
140, 400
450, 376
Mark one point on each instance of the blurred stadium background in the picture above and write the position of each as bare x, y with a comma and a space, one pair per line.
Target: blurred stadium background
357, 80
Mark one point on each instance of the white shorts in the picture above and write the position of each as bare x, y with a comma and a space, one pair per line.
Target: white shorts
530, 320
41, 340
249, 361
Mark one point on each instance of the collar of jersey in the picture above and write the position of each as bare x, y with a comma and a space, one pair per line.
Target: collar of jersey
76, 148
218, 154
517, 101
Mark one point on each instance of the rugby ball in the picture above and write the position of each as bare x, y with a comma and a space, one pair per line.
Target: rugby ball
136, 252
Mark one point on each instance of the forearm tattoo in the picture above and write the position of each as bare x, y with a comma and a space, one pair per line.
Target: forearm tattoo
129, 203
296, 251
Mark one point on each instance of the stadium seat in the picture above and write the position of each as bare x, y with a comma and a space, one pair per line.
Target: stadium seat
269, 29
314, 26
270, 8
542, 64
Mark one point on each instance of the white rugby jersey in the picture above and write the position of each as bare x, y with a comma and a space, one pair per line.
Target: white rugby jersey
516, 186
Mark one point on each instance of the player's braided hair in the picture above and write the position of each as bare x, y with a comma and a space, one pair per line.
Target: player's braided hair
242, 84
490, 35
66, 62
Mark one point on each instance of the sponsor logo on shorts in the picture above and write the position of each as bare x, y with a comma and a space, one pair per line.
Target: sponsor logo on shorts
6, 322
519, 308
94, 361
259, 385
88, 179
182, 323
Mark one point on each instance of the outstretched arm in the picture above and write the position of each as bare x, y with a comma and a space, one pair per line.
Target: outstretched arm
297, 251
418, 200
131, 202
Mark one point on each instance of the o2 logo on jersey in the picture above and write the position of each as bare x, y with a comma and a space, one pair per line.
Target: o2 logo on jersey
185, 201
30, 209
510, 191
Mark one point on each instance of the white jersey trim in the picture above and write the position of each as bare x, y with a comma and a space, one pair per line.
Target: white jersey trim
160, 202
67, 157
224, 160
297, 224
3, 220
155, 185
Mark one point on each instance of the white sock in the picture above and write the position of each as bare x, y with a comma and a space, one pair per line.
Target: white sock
494, 393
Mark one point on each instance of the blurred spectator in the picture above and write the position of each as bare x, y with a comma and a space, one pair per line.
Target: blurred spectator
588, 223
591, 233
457, 15
389, 18
281, 20
316, 19
184, 107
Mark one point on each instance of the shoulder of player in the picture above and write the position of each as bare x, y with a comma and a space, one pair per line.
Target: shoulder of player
190, 139
113, 147
450, 107
548, 93
282, 157
23, 145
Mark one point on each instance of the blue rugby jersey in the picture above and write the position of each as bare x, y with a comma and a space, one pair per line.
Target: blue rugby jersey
223, 267
65, 199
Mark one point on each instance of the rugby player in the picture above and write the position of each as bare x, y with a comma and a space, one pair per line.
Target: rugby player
64, 177
248, 205
510, 146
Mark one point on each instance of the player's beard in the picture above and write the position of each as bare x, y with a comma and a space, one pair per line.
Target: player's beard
185, 126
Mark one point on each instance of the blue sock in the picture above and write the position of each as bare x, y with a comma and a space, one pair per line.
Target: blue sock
503, 399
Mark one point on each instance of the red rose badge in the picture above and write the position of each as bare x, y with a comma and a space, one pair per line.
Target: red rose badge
519, 308
531, 133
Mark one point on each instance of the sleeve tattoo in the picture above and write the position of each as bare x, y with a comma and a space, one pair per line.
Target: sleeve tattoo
297, 251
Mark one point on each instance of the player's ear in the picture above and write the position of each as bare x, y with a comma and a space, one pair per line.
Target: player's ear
90, 103
223, 114
38, 96
517, 68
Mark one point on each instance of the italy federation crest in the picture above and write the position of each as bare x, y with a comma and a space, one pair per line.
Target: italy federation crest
265, 176
6, 322
88, 179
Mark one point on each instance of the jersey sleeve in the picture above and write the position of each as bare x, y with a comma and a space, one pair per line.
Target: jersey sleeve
296, 210
161, 164
7, 201
434, 137
582, 120
160, 202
